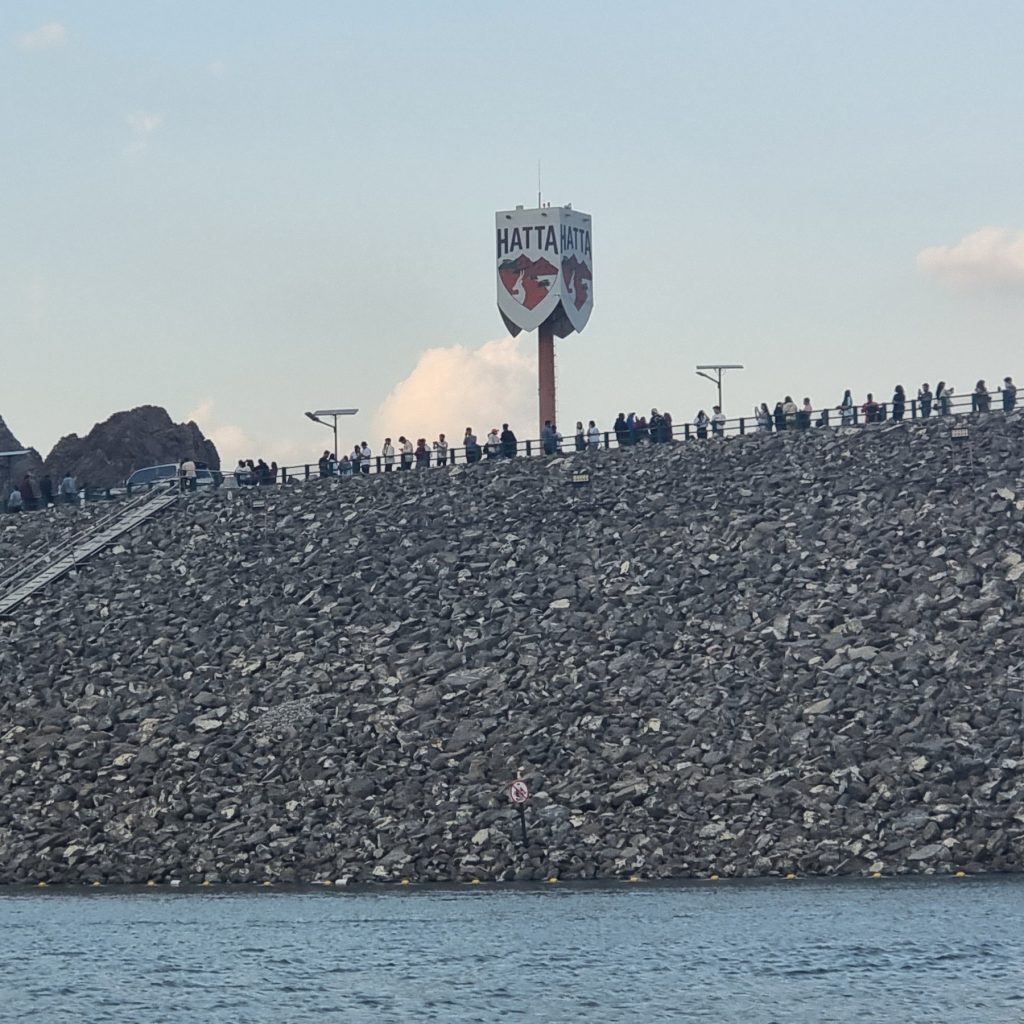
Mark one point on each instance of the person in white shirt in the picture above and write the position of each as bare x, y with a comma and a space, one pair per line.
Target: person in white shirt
441, 450
718, 421
364, 459
388, 451
593, 436
406, 452
493, 444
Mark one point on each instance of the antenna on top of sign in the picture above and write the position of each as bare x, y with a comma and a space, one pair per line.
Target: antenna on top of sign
539, 203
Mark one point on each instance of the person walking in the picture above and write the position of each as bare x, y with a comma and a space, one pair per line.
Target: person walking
593, 436
387, 450
701, 422
924, 400
899, 404
1009, 394
441, 450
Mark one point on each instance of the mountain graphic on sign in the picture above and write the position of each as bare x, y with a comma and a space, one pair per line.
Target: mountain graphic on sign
578, 278
527, 281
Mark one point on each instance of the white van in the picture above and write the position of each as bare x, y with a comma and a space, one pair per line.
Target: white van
153, 476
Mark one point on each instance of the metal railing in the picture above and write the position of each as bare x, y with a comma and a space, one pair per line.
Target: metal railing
832, 418
37, 561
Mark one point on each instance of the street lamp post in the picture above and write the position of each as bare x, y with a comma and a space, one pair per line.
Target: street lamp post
334, 414
718, 369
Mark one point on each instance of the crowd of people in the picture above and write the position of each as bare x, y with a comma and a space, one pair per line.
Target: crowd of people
787, 415
30, 494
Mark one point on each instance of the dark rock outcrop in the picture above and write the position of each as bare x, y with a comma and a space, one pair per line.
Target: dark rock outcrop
768, 655
145, 436
13, 469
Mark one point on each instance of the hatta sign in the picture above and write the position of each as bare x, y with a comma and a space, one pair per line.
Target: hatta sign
545, 269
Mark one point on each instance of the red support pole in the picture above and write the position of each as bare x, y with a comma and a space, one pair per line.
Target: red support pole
546, 373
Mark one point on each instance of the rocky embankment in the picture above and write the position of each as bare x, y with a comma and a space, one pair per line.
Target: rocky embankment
766, 655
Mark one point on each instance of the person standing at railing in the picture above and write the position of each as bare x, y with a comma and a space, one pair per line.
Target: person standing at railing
944, 397
924, 400
547, 438
899, 404
365, 458
763, 418
980, 400
356, 459
388, 451
441, 450
845, 408
1009, 394
593, 436
790, 410
405, 447
345, 466
581, 437
621, 432
871, 409
779, 415
68, 489
717, 421
656, 427
422, 454
701, 422
323, 464
509, 442
804, 414
472, 447
631, 428
493, 444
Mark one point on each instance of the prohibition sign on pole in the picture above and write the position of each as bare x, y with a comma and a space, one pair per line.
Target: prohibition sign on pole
518, 792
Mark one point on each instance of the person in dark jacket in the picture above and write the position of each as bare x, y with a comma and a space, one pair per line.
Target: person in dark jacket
780, 417
899, 403
46, 490
509, 444
621, 430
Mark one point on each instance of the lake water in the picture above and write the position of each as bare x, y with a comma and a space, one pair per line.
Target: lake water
928, 951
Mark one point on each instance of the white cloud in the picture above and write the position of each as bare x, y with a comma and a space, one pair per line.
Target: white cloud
453, 388
142, 126
991, 256
46, 37
217, 68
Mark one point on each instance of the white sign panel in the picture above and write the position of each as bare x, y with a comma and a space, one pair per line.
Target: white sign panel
545, 269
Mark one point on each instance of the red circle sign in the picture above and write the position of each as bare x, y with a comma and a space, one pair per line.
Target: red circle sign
518, 792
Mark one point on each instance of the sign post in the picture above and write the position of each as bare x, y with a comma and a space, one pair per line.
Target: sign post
518, 794
544, 265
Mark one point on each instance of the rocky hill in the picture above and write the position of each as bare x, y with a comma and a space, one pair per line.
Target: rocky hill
15, 468
145, 436
759, 656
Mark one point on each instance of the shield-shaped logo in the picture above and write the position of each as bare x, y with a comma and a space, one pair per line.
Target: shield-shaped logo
544, 269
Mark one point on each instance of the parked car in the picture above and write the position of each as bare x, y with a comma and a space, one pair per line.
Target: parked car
154, 476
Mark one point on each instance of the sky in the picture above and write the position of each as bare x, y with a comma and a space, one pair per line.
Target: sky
245, 210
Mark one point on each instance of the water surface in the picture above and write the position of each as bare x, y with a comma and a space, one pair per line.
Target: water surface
914, 952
